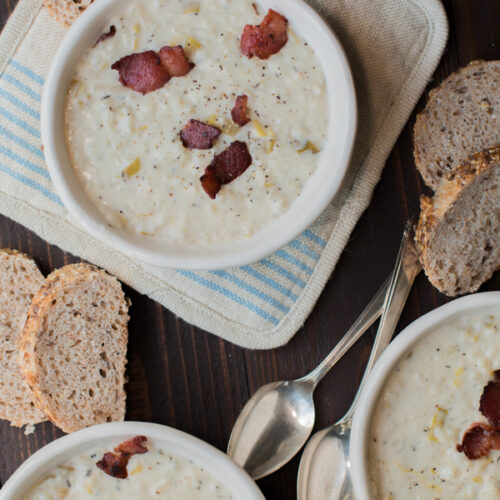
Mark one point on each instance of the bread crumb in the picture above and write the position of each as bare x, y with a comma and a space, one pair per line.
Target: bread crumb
29, 429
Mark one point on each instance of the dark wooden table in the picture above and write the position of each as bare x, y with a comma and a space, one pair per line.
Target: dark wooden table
183, 377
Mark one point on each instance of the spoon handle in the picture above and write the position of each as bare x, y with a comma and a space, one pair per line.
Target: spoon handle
404, 274
370, 314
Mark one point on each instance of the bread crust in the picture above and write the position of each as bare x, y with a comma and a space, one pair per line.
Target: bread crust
21, 409
433, 169
60, 280
434, 209
66, 12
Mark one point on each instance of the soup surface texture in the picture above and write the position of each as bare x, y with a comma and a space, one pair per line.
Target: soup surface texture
154, 475
126, 148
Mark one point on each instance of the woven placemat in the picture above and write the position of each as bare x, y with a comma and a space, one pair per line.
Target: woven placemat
393, 47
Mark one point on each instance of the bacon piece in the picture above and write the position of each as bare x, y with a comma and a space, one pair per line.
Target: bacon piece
239, 112
226, 167
478, 440
115, 464
489, 404
142, 72
199, 135
232, 162
133, 446
210, 182
265, 39
174, 60
109, 34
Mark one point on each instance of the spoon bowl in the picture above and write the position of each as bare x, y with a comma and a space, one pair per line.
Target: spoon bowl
273, 425
324, 472
325, 465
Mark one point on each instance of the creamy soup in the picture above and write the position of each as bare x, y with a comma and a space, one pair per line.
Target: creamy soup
125, 146
155, 475
428, 402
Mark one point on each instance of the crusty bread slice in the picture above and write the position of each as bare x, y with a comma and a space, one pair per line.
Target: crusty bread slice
462, 117
458, 233
73, 347
66, 11
20, 278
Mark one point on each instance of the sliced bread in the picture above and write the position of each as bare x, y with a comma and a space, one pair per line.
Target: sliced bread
458, 233
20, 278
66, 11
73, 347
462, 117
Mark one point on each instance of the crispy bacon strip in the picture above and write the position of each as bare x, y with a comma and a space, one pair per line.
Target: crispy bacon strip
239, 112
174, 60
115, 464
133, 446
142, 72
489, 404
265, 39
226, 167
232, 162
109, 34
478, 440
210, 182
199, 135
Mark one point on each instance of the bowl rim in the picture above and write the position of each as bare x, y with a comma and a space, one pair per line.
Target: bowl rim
232, 254
37, 465
384, 365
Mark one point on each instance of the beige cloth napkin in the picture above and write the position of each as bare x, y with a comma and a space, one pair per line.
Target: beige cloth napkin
393, 47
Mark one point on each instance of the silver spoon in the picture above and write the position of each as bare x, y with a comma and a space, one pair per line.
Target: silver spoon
324, 472
277, 420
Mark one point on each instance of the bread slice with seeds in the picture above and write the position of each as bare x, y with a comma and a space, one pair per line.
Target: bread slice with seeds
20, 278
73, 347
458, 233
66, 11
462, 117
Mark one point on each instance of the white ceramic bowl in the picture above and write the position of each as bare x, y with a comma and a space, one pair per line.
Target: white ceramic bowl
383, 367
318, 192
59, 451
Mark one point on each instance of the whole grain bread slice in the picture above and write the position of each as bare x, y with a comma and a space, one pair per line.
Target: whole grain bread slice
20, 278
73, 347
66, 11
458, 233
462, 117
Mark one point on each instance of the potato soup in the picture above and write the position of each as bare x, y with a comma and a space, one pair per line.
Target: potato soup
155, 475
428, 402
125, 146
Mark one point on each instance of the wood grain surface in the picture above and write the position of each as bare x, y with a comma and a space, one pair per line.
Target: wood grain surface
183, 377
